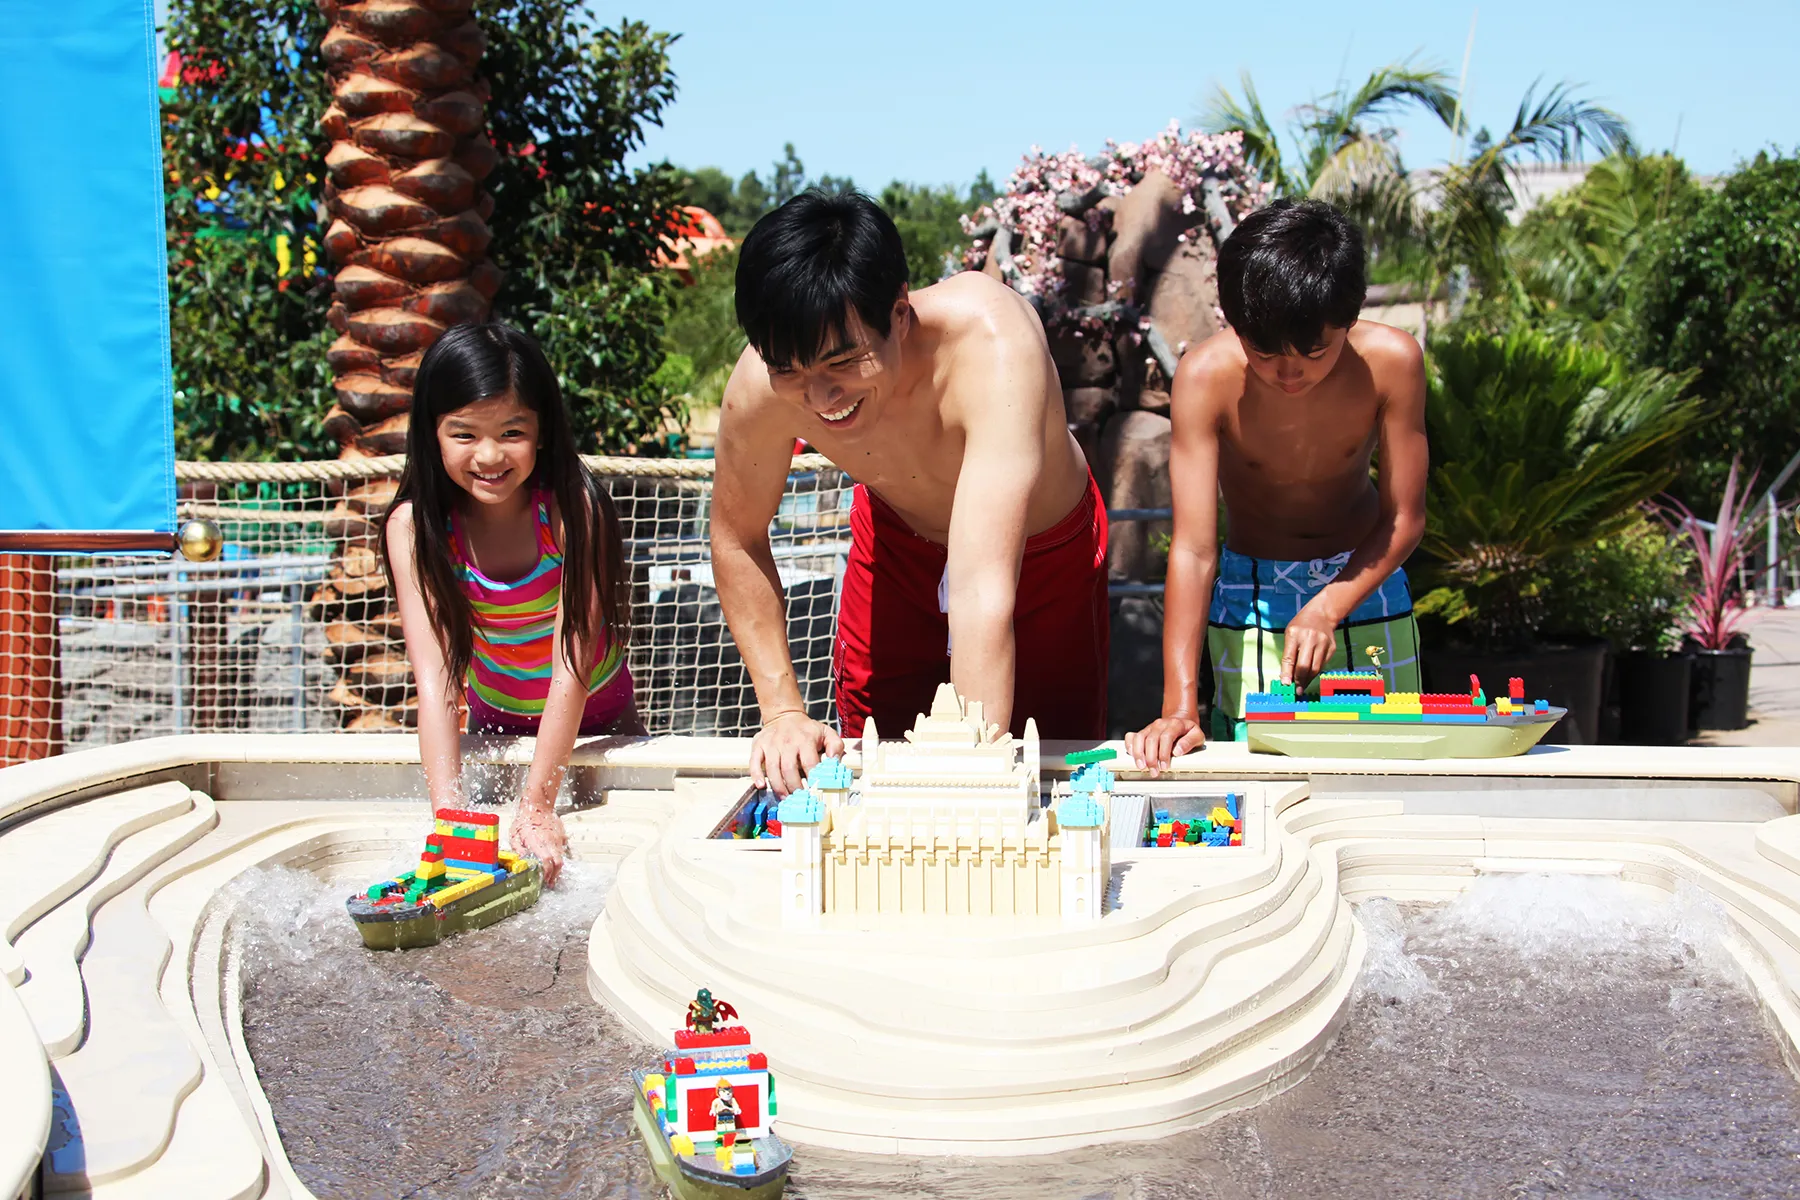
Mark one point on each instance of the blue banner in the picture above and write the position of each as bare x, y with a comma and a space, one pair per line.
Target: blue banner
88, 444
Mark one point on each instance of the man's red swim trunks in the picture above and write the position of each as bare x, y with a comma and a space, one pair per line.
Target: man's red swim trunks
893, 635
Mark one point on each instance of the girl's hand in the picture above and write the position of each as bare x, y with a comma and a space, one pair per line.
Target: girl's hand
539, 833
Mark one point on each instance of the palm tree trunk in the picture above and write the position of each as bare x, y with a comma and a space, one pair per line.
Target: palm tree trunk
409, 234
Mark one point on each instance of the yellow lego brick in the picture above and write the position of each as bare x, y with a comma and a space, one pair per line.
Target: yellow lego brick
1326, 715
681, 1143
457, 891
429, 870
511, 862
1221, 816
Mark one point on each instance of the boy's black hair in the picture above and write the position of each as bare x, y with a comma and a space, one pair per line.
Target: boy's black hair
1289, 270
807, 264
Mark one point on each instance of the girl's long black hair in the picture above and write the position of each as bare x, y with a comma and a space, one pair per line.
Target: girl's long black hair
477, 362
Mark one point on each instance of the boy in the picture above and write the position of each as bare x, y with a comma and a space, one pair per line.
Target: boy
978, 538
1281, 414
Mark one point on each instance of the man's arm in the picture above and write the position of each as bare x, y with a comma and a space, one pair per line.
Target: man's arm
1193, 563
755, 451
1002, 414
1399, 368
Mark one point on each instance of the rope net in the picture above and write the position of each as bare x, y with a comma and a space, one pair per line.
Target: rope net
293, 628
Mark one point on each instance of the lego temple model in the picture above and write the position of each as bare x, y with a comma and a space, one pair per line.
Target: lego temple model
947, 822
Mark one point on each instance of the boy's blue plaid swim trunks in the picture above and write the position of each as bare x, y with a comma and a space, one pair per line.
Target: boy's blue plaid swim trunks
1253, 601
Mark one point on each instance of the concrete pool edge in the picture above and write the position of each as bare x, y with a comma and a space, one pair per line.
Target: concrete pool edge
1367, 854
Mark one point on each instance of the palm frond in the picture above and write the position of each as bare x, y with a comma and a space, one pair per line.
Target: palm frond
1225, 113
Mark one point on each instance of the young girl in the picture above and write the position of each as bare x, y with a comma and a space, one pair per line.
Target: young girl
509, 571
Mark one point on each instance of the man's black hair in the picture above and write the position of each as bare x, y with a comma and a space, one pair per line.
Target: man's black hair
1289, 270
807, 264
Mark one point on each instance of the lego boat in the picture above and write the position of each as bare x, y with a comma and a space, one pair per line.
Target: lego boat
463, 881
705, 1110
1356, 716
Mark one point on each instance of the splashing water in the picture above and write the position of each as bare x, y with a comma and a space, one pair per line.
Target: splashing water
1538, 1036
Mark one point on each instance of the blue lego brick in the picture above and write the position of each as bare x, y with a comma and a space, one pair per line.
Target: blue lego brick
1231, 804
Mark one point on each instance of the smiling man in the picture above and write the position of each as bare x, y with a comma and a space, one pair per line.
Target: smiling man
978, 538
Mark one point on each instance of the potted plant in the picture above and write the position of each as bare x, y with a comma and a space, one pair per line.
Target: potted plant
1715, 611
1631, 588
1539, 447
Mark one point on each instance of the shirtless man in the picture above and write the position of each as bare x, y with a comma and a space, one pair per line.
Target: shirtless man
1281, 414
975, 523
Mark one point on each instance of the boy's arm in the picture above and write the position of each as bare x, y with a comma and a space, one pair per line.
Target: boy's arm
1193, 565
755, 451
1404, 465
1003, 456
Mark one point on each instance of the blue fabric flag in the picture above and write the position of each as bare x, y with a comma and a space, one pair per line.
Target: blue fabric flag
88, 442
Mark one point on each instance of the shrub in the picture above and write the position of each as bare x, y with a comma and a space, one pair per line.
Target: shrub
1630, 587
1721, 300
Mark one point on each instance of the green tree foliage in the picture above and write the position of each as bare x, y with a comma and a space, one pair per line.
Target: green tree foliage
574, 230
702, 338
929, 218
1630, 587
1583, 257
1539, 448
243, 158
1720, 298
1345, 152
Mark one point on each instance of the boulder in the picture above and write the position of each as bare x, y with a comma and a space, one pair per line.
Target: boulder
1082, 284
1082, 360
1134, 675
1076, 240
1184, 299
1134, 460
1146, 225
1089, 404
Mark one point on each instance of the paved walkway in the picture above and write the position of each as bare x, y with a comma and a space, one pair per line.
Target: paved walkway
1774, 683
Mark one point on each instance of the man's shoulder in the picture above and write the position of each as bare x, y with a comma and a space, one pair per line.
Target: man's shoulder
975, 307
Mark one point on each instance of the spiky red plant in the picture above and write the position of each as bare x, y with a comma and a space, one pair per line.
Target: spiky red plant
1714, 610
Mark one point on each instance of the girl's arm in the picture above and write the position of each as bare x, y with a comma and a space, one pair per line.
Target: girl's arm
536, 828
440, 737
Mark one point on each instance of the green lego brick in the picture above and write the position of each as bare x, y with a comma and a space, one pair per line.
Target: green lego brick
1083, 757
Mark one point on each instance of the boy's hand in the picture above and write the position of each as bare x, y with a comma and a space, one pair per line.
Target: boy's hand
538, 833
787, 747
1311, 637
1164, 739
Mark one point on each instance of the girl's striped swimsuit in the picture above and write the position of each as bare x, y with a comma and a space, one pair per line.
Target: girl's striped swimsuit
512, 636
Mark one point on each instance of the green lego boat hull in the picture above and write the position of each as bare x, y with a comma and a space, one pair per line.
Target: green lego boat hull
410, 926
692, 1177
1500, 737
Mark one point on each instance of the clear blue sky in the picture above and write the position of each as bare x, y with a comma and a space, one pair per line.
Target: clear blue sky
932, 92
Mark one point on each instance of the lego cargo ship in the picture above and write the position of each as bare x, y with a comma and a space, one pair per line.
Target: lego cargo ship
1356, 716
705, 1112
463, 881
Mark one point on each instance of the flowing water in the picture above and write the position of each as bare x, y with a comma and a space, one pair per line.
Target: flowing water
1540, 1036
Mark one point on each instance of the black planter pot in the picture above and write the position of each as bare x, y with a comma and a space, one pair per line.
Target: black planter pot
1571, 677
1720, 698
1653, 698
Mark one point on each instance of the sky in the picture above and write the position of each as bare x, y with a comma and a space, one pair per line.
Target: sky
932, 92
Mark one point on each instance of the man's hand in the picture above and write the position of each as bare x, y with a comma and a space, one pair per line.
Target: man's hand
788, 746
1164, 739
1311, 637
538, 833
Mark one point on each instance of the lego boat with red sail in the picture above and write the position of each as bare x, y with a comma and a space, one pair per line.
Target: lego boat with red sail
705, 1110
1356, 716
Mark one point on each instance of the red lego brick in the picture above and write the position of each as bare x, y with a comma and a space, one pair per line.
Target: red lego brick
731, 1035
684, 1066
759, 1061
463, 816
1515, 689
